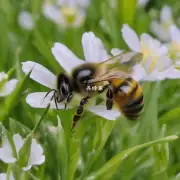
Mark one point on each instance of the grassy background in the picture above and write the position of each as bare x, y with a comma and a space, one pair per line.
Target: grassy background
86, 153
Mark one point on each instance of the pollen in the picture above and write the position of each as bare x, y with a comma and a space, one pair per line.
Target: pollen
94, 88
100, 88
88, 88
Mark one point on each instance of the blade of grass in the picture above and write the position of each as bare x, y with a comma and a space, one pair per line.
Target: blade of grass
107, 129
112, 165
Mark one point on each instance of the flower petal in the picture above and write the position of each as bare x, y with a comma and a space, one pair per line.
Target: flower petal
80, 17
3, 176
138, 72
175, 33
171, 73
27, 168
6, 154
131, 38
159, 31
116, 51
40, 74
52, 12
101, 110
38, 100
18, 141
65, 57
25, 20
166, 14
154, 76
36, 155
94, 50
8, 87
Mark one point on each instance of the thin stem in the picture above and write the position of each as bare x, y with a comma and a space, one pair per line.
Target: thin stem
41, 119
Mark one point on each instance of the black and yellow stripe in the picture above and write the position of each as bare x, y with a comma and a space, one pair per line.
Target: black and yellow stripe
128, 96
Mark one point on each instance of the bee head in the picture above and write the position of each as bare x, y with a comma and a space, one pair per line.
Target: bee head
64, 87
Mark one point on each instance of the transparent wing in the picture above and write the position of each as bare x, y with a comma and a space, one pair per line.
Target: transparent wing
126, 59
119, 66
111, 74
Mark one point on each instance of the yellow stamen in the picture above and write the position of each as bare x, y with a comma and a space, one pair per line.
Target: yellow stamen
69, 14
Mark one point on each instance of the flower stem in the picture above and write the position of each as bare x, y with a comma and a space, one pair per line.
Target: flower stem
41, 119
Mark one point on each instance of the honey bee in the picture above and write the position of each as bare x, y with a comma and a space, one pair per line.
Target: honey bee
89, 79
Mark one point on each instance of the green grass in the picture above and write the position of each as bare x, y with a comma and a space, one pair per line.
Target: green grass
97, 148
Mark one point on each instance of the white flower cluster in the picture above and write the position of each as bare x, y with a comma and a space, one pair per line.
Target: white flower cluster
67, 13
7, 155
6, 87
156, 65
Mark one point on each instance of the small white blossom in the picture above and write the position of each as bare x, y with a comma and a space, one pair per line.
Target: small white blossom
142, 3
25, 20
156, 64
4, 176
174, 46
162, 28
67, 13
7, 156
6, 87
94, 52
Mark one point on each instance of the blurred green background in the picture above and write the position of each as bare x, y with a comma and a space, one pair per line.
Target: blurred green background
95, 140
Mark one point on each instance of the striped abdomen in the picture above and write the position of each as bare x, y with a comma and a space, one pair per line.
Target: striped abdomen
128, 96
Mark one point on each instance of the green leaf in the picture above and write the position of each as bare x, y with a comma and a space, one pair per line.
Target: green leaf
62, 149
75, 144
112, 165
161, 152
106, 131
41, 119
24, 152
17, 127
149, 118
126, 10
170, 116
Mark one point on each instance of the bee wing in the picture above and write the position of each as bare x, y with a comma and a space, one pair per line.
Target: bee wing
125, 58
111, 74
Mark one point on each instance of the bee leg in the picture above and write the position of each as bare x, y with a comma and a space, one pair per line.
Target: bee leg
69, 97
104, 88
48, 93
109, 100
79, 111
55, 100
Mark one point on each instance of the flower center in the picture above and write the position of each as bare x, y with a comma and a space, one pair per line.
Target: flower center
174, 51
149, 60
69, 14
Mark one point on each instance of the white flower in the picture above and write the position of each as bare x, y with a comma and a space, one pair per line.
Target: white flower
162, 28
142, 3
93, 52
6, 87
3, 176
174, 46
67, 13
25, 20
155, 65
36, 152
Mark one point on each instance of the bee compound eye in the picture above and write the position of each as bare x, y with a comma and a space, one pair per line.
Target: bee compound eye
64, 89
